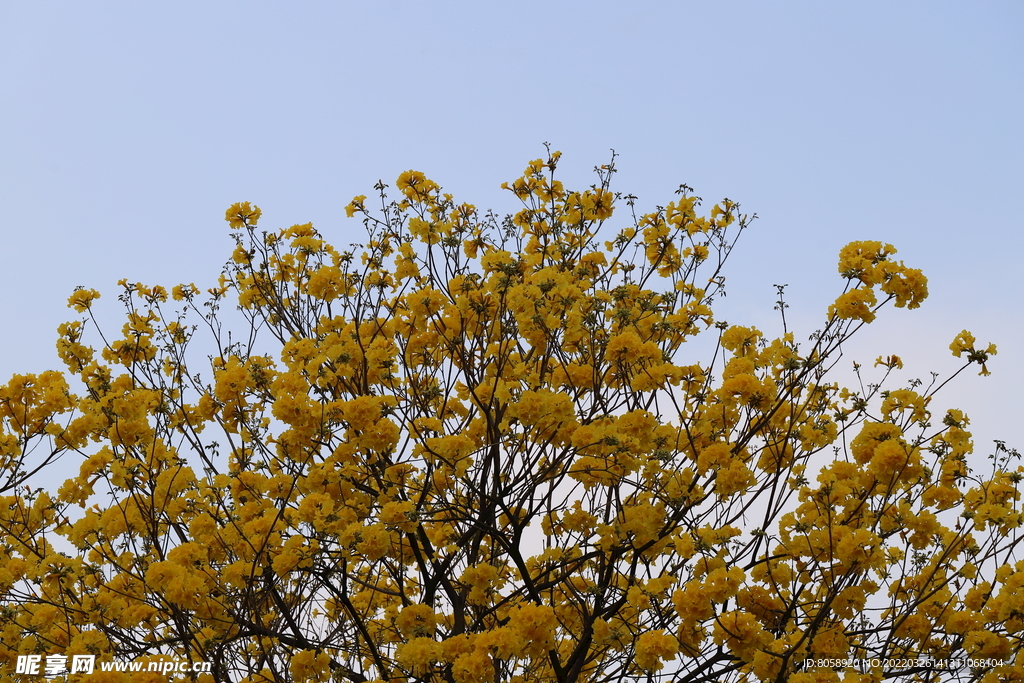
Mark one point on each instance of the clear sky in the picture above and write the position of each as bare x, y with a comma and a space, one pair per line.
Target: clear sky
127, 128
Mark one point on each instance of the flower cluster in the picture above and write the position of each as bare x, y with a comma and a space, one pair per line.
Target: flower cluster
474, 449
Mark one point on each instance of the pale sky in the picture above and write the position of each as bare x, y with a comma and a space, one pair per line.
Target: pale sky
127, 128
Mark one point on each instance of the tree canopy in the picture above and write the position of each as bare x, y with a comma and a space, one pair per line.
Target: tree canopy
483, 448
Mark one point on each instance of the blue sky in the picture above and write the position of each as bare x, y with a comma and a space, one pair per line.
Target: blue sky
128, 128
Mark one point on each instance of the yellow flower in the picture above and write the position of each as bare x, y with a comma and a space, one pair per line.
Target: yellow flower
908, 285
483, 580
242, 214
535, 625
741, 340
871, 435
716, 456
742, 632
419, 654
414, 185
733, 479
502, 643
310, 665
855, 304
904, 399
983, 644
963, 342
654, 648
400, 514
722, 584
746, 388
416, 620
858, 260
473, 667
644, 521
375, 542
315, 507
355, 205
82, 299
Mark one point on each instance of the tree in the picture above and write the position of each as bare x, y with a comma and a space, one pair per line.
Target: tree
475, 450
